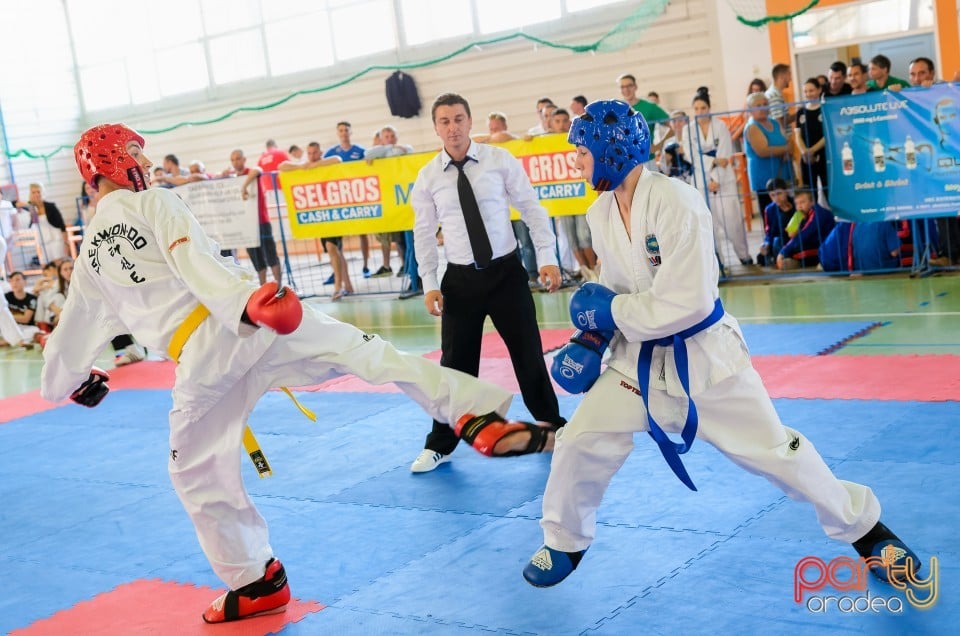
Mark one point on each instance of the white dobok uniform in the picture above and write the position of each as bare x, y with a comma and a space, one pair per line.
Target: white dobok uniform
10, 330
725, 202
144, 265
665, 275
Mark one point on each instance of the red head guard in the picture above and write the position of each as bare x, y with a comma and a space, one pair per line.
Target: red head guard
102, 152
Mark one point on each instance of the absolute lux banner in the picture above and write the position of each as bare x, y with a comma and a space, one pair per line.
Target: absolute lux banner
894, 155
360, 198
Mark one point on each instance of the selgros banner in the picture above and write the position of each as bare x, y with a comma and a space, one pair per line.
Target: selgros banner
360, 198
894, 155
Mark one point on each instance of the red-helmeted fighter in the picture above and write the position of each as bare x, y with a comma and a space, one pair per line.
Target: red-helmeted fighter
147, 268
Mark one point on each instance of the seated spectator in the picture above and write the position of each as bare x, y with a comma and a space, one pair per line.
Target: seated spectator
10, 332
22, 304
875, 246
59, 299
44, 289
802, 250
171, 170
542, 116
776, 216
880, 77
861, 247
835, 249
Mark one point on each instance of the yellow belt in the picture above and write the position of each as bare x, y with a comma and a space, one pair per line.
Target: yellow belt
250, 443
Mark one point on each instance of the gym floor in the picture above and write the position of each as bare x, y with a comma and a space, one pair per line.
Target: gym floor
95, 541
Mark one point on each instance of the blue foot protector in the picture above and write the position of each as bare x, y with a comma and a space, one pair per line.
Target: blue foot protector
892, 553
548, 566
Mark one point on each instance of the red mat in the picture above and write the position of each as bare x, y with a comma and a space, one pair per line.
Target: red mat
158, 607
923, 378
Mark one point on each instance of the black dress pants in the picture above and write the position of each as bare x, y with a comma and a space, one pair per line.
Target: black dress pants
500, 291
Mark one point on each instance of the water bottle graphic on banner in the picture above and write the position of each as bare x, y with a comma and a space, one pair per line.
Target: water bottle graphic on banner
846, 155
910, 152
879, 161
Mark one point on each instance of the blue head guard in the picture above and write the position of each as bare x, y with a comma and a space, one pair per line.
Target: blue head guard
617, 137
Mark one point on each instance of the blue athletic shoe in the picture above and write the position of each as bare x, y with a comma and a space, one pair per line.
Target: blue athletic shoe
329, 281
548, 566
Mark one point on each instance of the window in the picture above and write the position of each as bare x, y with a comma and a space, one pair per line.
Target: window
362, 28
430, 20
586, 5
847, 23
101, 88
222, 16
182, 69
237, 56
507, 15
299, 44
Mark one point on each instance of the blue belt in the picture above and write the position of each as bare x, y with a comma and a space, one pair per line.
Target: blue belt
671, 451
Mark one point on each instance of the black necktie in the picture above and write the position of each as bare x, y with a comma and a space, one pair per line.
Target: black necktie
476, 231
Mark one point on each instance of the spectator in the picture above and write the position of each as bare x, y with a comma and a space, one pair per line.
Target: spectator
857, 78
389, 146
349, 151
22, 304
342, 286
736, 123
10, 332
57, 300
654, 96
875, 246
578, 105
496, 130
776, 98
560, 121
766, 147
803, 249
541, 126
269, 162
880, 77
673, 160
714, 177
836, 81
651, 112
823, 82
809, 138
295, 154
46, 217
265, 254
776, 216
922, 72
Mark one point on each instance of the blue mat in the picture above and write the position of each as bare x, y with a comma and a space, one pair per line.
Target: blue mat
87, 505
798, 338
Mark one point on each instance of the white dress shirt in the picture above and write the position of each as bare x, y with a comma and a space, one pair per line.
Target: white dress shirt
498, 182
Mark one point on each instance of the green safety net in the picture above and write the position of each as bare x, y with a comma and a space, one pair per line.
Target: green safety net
754, 13
625, 33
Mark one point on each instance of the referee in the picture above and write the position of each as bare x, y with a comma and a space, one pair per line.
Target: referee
467, 190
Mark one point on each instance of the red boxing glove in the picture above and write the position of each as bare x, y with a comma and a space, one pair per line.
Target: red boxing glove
280, 310
93, 390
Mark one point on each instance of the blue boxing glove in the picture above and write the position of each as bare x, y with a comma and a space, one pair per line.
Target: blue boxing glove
577, 365
591, 308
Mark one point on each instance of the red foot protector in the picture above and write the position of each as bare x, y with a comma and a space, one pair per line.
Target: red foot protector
158, 607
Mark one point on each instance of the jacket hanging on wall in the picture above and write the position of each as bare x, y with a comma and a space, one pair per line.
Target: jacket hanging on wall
402, 96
